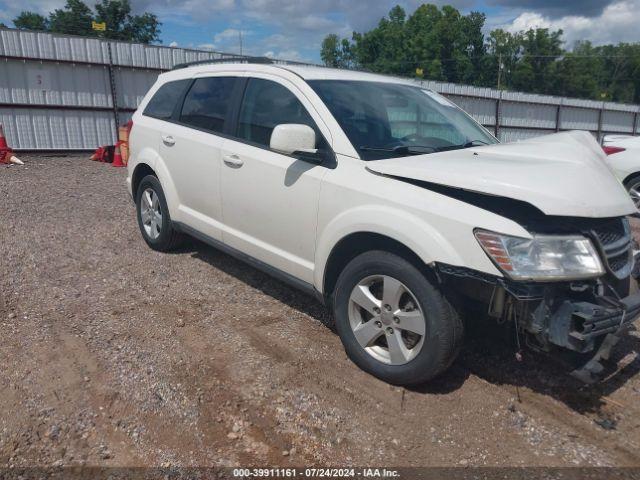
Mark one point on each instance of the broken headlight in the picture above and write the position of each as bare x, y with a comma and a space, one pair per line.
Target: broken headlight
543, 257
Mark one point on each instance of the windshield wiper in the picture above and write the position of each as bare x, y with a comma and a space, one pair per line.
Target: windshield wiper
470, 143
419, 149
401, 149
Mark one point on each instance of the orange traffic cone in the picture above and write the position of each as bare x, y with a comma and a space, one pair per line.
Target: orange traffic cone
6, 154
3, 140
15, 160
117, 157
98, 155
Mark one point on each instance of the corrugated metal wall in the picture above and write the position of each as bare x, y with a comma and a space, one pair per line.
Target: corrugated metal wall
515, 115
56, 92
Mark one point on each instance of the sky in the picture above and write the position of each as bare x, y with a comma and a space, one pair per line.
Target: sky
294, 30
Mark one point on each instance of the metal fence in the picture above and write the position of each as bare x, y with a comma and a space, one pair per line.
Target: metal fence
61, 92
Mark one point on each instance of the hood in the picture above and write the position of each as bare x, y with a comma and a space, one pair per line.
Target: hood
563, 174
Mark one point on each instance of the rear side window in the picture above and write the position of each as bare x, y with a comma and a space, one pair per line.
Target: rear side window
164, 101
207, 103
265, 105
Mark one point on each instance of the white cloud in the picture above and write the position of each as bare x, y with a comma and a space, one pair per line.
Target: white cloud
228, 34
173, 44
555, 8
287, 55
618, 22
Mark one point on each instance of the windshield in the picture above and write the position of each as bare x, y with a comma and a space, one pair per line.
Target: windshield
385, 120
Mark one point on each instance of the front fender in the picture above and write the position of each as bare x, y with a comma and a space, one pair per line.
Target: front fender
400, 225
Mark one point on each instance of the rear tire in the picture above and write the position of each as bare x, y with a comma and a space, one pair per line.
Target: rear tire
153, 216
385, 337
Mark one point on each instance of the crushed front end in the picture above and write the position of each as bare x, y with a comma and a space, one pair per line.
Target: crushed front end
585, 316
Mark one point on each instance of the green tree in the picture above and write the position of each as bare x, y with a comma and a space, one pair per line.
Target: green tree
442, 43
144, 28
503, 51
31, 21
121, 25
384, 48
579, 73
474, 46
335, 52
424, 42
76, 18
536, 69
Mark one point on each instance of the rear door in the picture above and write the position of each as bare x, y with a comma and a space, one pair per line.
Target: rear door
145, 137
191, 148
270, 200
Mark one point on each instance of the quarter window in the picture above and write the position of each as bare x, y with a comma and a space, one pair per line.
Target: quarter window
164, 100
267, 104
207, 103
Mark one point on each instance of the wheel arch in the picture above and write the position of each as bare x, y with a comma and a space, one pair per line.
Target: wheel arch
357, 243
150, 163
379, 226
629, 177
141, 171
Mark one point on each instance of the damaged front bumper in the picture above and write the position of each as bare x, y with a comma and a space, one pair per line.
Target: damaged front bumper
581, 326
580, 317
577, 325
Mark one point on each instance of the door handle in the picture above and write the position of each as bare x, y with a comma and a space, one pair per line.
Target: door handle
168, 140
232, 161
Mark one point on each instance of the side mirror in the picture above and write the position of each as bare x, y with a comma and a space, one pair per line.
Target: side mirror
288, 138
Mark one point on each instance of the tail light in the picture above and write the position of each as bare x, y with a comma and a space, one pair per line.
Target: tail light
611, 150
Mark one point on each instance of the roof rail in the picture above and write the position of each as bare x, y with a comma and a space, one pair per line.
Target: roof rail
238, 59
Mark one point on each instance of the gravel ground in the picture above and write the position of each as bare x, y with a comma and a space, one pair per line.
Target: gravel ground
115, 355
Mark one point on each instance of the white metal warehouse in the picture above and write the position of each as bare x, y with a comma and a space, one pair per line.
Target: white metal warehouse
61, 92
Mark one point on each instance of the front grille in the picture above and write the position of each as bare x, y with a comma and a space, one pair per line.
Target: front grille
610, 235
615, 241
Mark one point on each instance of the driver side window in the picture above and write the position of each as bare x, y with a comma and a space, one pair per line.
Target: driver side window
267, 104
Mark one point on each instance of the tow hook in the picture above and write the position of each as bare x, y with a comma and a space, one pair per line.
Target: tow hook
591, 372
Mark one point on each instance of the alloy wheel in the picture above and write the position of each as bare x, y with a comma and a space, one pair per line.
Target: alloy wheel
386, 319
151, 213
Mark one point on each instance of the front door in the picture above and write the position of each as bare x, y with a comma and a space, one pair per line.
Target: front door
270, 200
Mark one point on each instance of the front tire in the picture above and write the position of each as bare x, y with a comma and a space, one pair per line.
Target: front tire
153, 216
393, 322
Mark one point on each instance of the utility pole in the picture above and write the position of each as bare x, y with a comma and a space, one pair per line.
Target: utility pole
499, 69
240, 35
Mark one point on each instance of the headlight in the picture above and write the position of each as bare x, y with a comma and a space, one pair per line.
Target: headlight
543, 257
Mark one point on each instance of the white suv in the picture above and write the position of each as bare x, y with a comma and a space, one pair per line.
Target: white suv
623, 153
392, 206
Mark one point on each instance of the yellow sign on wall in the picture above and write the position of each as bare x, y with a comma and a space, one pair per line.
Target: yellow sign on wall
100, 27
